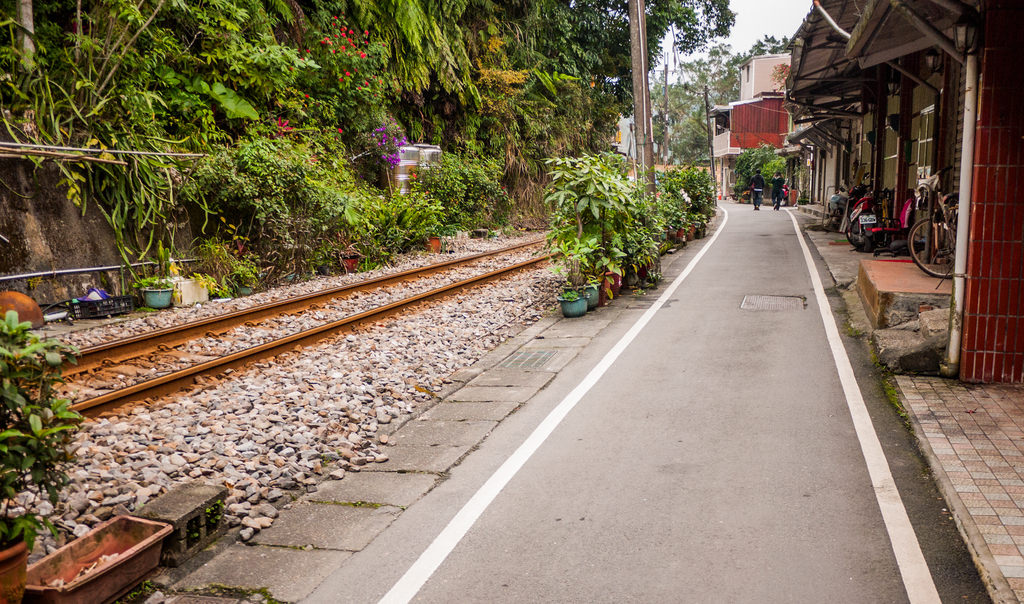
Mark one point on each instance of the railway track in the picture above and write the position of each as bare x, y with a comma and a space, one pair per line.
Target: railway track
111, 355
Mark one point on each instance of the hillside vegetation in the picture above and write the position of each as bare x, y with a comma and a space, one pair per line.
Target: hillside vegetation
298, 106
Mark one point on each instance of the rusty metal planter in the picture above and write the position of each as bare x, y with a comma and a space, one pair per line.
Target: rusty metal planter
135, 541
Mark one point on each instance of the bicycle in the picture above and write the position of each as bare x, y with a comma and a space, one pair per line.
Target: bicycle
932, 240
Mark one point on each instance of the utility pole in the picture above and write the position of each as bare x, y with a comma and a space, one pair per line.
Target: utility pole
641, 90
711, 144
664, 118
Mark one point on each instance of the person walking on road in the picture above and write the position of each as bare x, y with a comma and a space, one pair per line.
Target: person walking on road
757, 188
778, 182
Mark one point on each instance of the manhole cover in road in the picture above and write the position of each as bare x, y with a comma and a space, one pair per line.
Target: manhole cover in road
772, 303
528, 359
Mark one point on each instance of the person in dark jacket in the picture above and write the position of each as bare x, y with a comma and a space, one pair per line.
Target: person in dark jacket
778, 182
757, 188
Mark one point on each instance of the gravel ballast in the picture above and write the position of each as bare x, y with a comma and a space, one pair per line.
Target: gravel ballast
279, 427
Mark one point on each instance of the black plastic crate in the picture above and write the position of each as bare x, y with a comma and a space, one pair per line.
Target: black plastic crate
91, 309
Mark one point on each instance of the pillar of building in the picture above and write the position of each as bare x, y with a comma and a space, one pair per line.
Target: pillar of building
992, 348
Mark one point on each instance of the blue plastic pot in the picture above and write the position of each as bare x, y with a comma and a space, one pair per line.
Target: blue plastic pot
157, 298
573, 308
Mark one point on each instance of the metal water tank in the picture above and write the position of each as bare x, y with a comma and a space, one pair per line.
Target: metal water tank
430, 155
412, 157
408, 160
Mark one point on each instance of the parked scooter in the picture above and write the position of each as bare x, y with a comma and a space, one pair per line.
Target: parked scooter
861, 218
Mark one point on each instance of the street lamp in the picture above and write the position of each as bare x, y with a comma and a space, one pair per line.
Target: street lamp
933, 60
965, 34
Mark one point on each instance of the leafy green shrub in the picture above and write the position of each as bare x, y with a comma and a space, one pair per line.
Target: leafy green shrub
760, 158
395, 224
686, 196
592, 205
38, 428
469, 189
228, 269
286, 197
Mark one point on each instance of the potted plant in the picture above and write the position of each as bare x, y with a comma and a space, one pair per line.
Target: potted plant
244, 276
591, 291
37, 429
573, 305
157, 290
350, 258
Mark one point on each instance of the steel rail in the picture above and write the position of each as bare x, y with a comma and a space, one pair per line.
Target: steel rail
176, 380
118, 351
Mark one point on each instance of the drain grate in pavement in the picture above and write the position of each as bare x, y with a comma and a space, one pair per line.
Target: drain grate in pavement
756, 302
528, 359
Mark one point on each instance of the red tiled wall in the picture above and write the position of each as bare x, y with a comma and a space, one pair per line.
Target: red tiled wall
993, 336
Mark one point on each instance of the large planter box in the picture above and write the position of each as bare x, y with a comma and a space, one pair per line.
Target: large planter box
135, 542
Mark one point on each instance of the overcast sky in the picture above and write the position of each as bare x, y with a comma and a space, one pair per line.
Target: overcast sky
758, 18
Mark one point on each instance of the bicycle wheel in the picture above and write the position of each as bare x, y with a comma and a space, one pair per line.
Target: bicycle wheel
932, 249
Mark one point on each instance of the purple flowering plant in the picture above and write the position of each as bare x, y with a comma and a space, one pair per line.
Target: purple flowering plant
389, 139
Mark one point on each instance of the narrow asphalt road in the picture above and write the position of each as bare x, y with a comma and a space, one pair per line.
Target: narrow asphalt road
714, 461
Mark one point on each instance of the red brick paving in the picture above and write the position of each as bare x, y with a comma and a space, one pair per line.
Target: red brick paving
976, 436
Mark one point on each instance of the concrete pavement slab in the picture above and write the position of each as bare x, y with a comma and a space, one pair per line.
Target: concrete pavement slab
416, 458
586, 326
513, 377
288, 574
439, 432
566, 342
471, 411
328, 526
391, 488
500, 394
840, 258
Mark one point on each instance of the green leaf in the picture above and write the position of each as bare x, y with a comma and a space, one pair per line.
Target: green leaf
53, 358
35, 423
232, 104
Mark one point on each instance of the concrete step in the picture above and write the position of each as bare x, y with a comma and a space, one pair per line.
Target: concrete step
893, 291
812, 209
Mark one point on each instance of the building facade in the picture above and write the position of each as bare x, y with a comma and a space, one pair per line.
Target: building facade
892, 93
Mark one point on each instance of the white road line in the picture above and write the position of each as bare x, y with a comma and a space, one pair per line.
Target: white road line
413, 580
917, 579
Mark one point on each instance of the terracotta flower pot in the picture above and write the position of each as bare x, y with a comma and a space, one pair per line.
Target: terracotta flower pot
612, 283
13, 562
351, 264
434, 244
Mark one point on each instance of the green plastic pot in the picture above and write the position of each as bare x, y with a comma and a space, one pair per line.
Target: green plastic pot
157, 298
593, 296
573, 308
